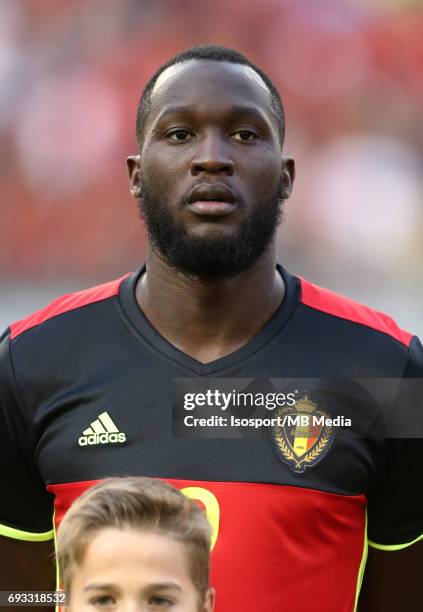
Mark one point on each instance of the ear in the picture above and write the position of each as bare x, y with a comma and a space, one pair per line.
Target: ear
210, 600
133, 165
288, 175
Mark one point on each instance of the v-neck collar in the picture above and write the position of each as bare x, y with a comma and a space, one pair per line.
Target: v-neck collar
158, 343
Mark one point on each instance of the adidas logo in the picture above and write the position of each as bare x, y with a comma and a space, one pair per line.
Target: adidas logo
101, 431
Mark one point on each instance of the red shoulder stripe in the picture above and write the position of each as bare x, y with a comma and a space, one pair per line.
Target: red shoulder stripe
65, 303
340, 306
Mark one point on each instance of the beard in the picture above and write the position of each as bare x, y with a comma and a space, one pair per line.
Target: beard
214, 257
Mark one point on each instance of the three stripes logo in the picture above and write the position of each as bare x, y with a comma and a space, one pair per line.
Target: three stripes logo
102, 431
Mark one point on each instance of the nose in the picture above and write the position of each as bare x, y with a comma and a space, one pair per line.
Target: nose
211, 157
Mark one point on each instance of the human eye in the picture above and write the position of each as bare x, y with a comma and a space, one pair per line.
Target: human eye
103, 601
244, 135
179, 135
158, 602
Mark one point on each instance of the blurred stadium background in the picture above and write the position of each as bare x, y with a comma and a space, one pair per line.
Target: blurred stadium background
351, 76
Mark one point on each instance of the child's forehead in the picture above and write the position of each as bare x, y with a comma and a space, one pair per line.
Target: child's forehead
121, 545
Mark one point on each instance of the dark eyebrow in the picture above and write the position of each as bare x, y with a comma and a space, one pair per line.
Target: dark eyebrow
232, 111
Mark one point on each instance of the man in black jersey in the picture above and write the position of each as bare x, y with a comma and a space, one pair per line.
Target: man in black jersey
211, 180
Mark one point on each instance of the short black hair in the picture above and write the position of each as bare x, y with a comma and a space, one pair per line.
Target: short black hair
215, 53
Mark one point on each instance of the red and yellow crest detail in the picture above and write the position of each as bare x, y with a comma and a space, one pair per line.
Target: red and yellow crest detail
301, 435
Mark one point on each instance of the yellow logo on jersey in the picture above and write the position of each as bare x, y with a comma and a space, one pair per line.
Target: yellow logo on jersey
302, 435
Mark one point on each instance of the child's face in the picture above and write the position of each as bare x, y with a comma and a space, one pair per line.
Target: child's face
135, 571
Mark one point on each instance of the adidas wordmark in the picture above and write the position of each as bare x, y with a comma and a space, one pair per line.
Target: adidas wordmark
102, 431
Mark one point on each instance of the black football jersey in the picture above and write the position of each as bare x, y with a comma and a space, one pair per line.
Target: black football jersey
86, 392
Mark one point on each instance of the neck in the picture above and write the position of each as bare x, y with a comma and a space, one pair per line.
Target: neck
208, 318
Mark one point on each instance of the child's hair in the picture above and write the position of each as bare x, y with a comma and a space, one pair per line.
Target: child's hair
139, 503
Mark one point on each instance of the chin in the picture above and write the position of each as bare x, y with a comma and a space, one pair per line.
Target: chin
212, 231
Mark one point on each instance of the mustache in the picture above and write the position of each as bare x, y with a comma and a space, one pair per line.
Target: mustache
283, 193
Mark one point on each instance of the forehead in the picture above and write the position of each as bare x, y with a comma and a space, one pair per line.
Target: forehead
152, 552
210, 84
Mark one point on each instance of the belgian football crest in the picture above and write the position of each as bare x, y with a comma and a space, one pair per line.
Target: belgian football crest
302, 434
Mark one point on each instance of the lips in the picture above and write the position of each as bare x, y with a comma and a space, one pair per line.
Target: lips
213, 200
216, 192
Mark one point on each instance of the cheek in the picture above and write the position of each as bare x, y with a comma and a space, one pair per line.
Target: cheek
161, 166
263, 174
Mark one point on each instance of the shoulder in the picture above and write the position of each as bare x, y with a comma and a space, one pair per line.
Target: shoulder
64, 305
335, 305
370, 339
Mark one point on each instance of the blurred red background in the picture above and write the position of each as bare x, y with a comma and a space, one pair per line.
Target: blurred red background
351, 77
